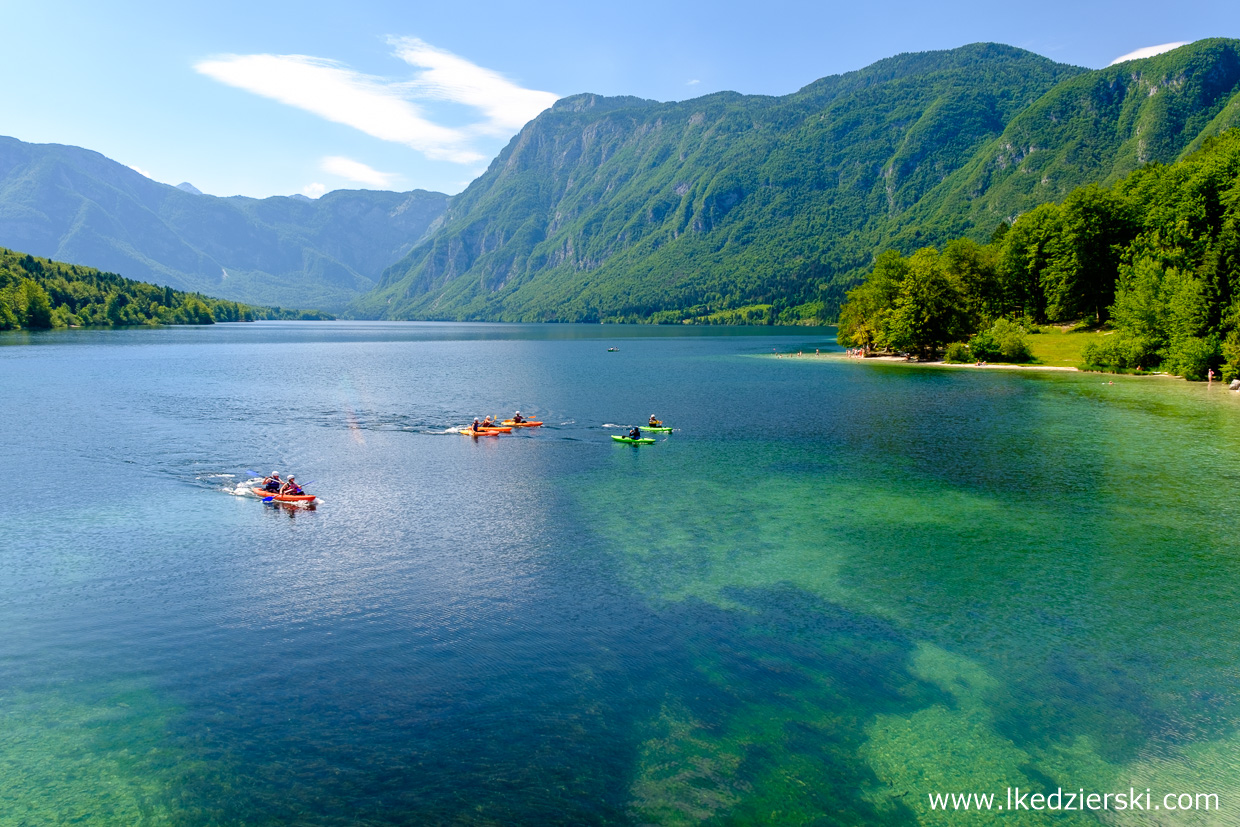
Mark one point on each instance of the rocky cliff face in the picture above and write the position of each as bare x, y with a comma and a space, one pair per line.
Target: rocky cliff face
614, 207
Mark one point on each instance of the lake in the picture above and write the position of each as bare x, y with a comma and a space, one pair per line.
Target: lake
835, 590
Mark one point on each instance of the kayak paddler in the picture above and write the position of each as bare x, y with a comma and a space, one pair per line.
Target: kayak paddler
477, 426
635, 433
654, 423
517, 418
273, 483
291, 487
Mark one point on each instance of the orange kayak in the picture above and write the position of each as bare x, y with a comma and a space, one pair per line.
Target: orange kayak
283, 498
467, 431
527, 423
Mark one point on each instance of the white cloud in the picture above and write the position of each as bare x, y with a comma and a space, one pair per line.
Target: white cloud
449, 77
313, 190
339, 94
693, 82
357, 172
140, 171
388, 109
1148, 51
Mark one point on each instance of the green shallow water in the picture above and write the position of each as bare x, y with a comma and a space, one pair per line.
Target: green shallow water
835, 589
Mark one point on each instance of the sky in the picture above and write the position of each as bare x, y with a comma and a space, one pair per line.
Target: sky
277, 98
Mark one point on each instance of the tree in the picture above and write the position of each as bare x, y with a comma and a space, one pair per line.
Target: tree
863, 318
38, 306
1083, 257
1024, 255
928, 311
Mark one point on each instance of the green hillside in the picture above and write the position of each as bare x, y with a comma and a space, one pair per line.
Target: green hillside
1155, 258
38, 294
743, 208
1094, 128
71, 204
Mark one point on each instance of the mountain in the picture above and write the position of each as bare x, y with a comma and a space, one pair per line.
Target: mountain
1095, 128
733, 207
74, 205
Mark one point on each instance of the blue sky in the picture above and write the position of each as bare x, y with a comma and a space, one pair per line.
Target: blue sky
275, 98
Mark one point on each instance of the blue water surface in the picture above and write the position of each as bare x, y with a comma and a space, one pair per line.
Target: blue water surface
835, 588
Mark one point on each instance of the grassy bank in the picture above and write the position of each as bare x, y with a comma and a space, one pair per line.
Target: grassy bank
1061, 346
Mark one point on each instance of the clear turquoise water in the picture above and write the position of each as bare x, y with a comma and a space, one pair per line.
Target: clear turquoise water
836, 588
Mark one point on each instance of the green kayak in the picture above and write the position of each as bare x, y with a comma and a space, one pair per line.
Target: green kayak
655, 430
631, 441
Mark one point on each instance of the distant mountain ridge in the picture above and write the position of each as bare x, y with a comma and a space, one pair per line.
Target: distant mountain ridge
733, 207
75, 205
724, 208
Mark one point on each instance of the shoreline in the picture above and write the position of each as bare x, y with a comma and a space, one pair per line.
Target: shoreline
939, 363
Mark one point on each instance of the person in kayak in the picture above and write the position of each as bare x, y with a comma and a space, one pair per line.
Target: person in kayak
477, 426
517, 418
273, 483
654, 423
635, 433
291, 487
488, 422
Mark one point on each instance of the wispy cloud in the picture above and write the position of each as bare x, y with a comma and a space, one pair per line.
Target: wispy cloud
693, 82
337, 93
357, 172
1148, 51
389, 109
448, 77
313, 190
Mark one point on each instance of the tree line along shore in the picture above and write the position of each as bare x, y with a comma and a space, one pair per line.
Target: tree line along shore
1151, 263
40, 294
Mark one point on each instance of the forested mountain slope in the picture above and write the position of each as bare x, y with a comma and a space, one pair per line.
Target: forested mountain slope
38, 294
75, 205
1095, 128
772, 207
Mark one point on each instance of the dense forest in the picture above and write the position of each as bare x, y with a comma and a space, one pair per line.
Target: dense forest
1153, 260
37, 293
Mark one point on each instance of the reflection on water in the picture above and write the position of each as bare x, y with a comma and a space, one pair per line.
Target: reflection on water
835, 588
